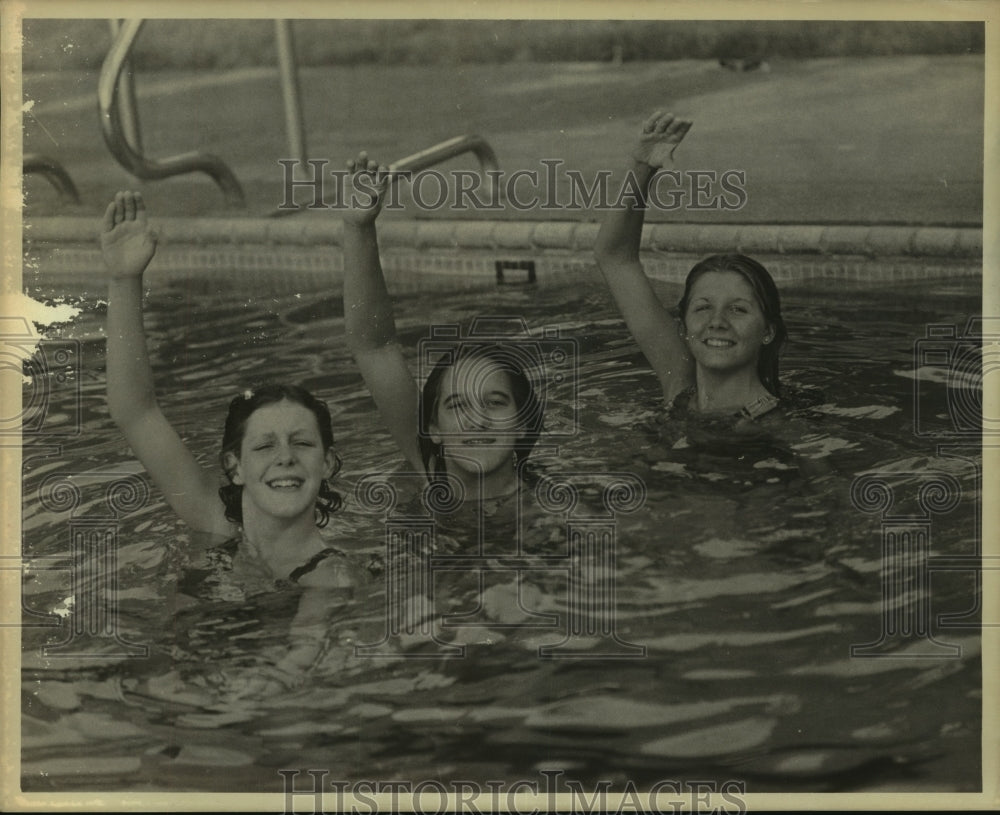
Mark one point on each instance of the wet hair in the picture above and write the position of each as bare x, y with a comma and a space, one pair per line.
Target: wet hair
240, 410
510, 360
765, 291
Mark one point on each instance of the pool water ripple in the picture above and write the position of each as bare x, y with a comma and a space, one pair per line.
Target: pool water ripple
747, 576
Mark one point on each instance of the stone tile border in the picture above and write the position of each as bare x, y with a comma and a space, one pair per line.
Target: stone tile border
299, 268
310, 231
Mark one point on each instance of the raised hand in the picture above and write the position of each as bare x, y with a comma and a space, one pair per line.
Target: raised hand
366, 192
661, 134
127, 240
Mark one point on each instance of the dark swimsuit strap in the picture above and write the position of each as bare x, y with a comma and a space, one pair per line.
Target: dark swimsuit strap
765, 404
312, 563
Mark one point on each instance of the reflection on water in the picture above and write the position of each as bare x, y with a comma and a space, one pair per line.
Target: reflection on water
747, 576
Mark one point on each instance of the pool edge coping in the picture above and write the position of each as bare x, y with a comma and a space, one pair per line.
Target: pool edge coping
960, 243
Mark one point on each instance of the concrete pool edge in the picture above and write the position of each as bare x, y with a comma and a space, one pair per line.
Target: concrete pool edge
422, 255
497, 235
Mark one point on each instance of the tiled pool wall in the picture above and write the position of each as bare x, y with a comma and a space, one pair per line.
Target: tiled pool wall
418, 255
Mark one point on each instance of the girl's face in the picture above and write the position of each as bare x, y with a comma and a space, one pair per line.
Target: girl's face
282, 462
724, 324
476, 420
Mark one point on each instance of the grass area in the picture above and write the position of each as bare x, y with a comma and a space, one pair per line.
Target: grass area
873, 140
74, 44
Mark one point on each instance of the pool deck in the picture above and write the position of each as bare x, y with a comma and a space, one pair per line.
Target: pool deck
414, 252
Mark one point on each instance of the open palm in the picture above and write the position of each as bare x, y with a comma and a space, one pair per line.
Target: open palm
127, 240
366, 192
661, 134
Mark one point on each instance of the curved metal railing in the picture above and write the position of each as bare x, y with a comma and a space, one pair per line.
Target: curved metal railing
126, 96
54, 172
449, 149
128, 154
120, 124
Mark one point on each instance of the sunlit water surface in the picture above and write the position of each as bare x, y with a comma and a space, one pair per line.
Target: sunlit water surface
747, 576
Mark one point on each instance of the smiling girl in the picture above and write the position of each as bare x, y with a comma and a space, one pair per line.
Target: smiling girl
277, 452
477, 417
721, 356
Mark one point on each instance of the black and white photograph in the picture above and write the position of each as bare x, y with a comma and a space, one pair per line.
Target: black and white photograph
546, 408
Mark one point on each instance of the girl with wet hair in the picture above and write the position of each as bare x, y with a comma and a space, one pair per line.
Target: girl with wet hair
492, 356
477, 417
720, 356
241, 409
278, 450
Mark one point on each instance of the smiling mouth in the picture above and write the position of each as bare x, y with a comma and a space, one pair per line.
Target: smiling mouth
716, 342
284, 483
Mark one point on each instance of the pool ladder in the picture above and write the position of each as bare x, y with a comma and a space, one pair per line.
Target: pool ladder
120, 124
449, 149
54, 171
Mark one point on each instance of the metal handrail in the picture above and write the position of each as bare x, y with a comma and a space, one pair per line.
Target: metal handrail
291, 94
120, 123
449, 149
127, 97
127, 154
54, 172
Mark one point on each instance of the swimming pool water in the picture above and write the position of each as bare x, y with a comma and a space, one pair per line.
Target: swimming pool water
747, 575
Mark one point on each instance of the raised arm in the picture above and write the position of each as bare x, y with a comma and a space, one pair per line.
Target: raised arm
368, 319
128, 245
617, 253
